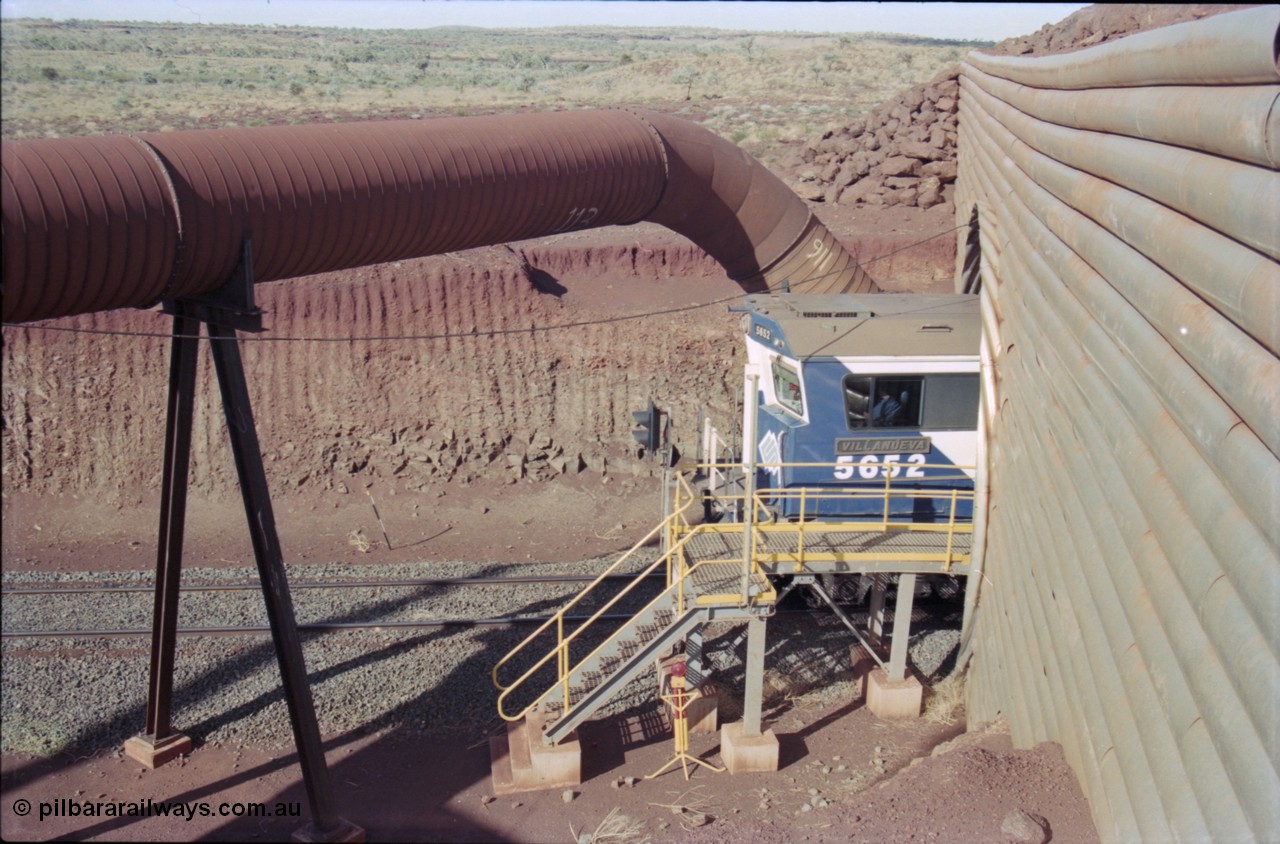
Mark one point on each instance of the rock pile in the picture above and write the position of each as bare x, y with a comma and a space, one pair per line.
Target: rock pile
1105, 22
903, 153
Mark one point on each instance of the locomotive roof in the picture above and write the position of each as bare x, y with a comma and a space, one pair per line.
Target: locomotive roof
879, 324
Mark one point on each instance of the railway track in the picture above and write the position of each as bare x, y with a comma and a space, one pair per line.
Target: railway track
398, 647
375, 597
98, 590
317, 627
336, 584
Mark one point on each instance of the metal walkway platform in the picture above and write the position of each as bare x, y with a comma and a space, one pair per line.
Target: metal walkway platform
833, 547
719, 583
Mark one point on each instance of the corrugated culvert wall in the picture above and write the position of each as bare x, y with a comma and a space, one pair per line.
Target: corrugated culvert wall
1124, 208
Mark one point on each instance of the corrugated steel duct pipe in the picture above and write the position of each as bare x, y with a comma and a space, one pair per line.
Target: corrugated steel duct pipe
97, 223
746, 218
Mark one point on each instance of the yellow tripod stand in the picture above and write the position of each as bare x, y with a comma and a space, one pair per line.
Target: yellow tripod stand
679, 700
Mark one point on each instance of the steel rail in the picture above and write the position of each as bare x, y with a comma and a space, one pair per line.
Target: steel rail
315, 627
349, 584
339, 626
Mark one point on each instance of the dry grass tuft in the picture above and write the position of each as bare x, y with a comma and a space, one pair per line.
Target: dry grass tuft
944, 702
357, 540
614, 829
693, 809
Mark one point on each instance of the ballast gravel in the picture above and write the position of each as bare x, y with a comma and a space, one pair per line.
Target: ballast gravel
87, 695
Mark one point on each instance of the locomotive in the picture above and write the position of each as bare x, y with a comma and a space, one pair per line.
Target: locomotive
859, 410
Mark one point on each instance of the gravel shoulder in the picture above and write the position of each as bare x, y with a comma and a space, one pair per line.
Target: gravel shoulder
394, 704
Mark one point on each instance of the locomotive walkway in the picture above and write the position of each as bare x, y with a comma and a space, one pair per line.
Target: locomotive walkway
714, 571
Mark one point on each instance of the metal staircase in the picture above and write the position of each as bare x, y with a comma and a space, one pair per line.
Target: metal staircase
576, 688
714, 571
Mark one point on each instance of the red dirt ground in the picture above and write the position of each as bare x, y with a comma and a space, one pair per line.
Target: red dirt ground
395, 787
392, 784
509, 448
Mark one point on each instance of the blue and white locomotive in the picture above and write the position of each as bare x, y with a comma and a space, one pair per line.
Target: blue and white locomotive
856, 390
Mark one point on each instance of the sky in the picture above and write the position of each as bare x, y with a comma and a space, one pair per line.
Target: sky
966, 21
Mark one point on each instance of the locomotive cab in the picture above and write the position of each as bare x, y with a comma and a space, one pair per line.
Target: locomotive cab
866, 406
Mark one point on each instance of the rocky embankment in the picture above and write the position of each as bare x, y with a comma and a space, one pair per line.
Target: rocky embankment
902, 153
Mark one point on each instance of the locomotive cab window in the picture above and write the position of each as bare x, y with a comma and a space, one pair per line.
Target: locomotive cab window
951, 402
934, 402
786, 388
890, 401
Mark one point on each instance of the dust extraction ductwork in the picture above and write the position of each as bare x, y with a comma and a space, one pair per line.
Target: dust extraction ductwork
95, 223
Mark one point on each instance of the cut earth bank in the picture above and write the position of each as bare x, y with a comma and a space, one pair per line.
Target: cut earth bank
507, 448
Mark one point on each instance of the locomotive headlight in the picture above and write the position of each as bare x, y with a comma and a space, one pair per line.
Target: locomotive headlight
745, 324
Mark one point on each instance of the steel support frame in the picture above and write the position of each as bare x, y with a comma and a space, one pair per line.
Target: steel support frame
901, 636
875, 614
818, 589
222, 313
753, 693
173, 510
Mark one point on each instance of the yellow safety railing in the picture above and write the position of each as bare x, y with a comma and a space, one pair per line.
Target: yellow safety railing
678, 574
560, 652
678, 531
894, 486
854, 488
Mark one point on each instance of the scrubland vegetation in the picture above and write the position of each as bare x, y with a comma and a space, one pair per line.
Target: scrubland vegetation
758, 89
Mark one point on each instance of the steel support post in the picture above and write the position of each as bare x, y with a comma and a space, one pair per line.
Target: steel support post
751, 423
158, 744
875, 614
222, 313
275, 587
901, 627
753, 694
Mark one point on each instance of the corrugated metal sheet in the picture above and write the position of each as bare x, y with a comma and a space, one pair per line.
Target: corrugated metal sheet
96, 223
1128, 236
108, 196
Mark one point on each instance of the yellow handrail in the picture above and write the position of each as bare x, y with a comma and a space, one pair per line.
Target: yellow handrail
558, 617
677, 571
562, 642
952, 532
561, 649
804, 513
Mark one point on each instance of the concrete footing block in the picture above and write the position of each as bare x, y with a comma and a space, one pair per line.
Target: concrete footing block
153, 753
893, 699
345, 832
521, 762
744, 754
863, 665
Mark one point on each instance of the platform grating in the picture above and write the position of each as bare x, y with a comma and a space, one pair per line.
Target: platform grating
836, 541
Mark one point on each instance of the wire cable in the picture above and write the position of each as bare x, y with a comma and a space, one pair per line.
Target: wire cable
460, 335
